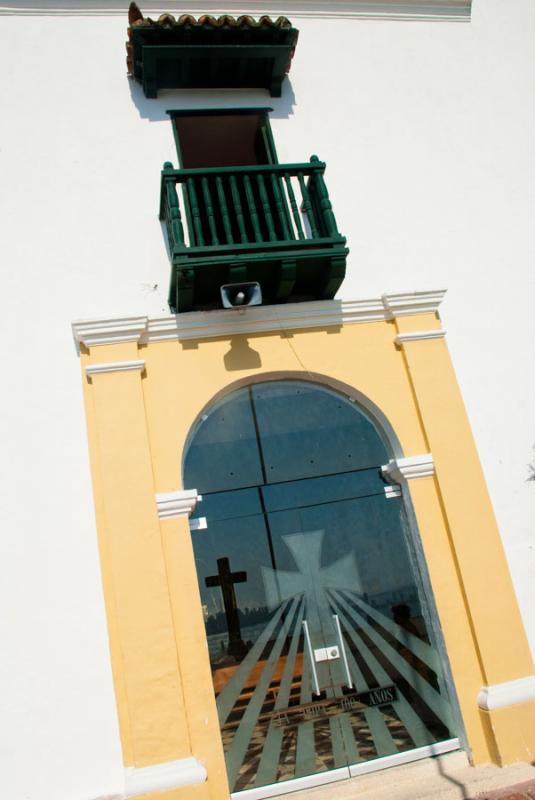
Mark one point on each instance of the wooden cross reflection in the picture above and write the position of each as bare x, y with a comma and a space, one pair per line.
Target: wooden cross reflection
226, 580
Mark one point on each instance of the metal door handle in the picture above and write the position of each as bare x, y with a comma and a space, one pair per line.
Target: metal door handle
343, 651
311, 657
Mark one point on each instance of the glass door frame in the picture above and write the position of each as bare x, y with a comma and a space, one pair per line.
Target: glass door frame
430, 615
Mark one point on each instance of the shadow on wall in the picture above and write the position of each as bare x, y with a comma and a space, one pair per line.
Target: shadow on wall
156, 110
241, 355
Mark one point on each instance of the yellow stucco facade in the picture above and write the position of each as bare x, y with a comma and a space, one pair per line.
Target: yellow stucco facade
139, 417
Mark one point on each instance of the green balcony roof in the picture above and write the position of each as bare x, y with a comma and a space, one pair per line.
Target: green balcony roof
207, 52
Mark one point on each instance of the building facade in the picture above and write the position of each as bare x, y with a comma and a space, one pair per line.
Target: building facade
259, 551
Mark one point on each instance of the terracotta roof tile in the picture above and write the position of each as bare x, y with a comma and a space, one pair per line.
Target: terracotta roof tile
136, 19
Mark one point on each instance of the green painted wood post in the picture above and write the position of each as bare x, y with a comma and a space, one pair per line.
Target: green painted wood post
175, 228
185, 69
209, 210
187, 208
307, 206
224, 210
251, 207
282, 208
172, 296
334, 275
235, 192
184, 290
318, 183
165, 177
264, 199
287, 277
195, 211
293, 204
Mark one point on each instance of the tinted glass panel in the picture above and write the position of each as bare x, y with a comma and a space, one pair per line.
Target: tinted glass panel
306, 430
224, 453
311, 491
230, 504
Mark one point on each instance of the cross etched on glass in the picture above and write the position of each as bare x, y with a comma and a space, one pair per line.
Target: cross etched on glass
311, 579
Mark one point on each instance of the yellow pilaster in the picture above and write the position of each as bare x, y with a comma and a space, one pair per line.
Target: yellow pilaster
193, 654
149, 691
455, 622
476, 549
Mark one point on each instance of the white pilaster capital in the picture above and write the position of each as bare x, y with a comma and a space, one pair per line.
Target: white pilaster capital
403, 304
177, 504
161, 777
415, 336
501, 695
109, 331
115, 366
404, 469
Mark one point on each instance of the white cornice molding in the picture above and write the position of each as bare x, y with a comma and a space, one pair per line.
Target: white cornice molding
261, 319
161, 777
402, 304
416, 336
255, 319
425, 10
177, 504
501, 695
108, 331
290, 316
114, 366
400, 469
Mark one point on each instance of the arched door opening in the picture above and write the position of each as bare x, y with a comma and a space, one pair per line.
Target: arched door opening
321, 653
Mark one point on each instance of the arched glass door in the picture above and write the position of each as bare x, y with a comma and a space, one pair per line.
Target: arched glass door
318, 633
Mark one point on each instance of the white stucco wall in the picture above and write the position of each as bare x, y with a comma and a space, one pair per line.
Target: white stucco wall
428, 130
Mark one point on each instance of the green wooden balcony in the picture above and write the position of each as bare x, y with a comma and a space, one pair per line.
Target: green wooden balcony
270, 223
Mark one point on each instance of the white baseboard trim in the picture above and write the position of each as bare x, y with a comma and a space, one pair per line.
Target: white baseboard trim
502, 695
158, 778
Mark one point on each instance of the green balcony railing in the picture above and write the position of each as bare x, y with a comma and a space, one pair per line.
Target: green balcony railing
269, 223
